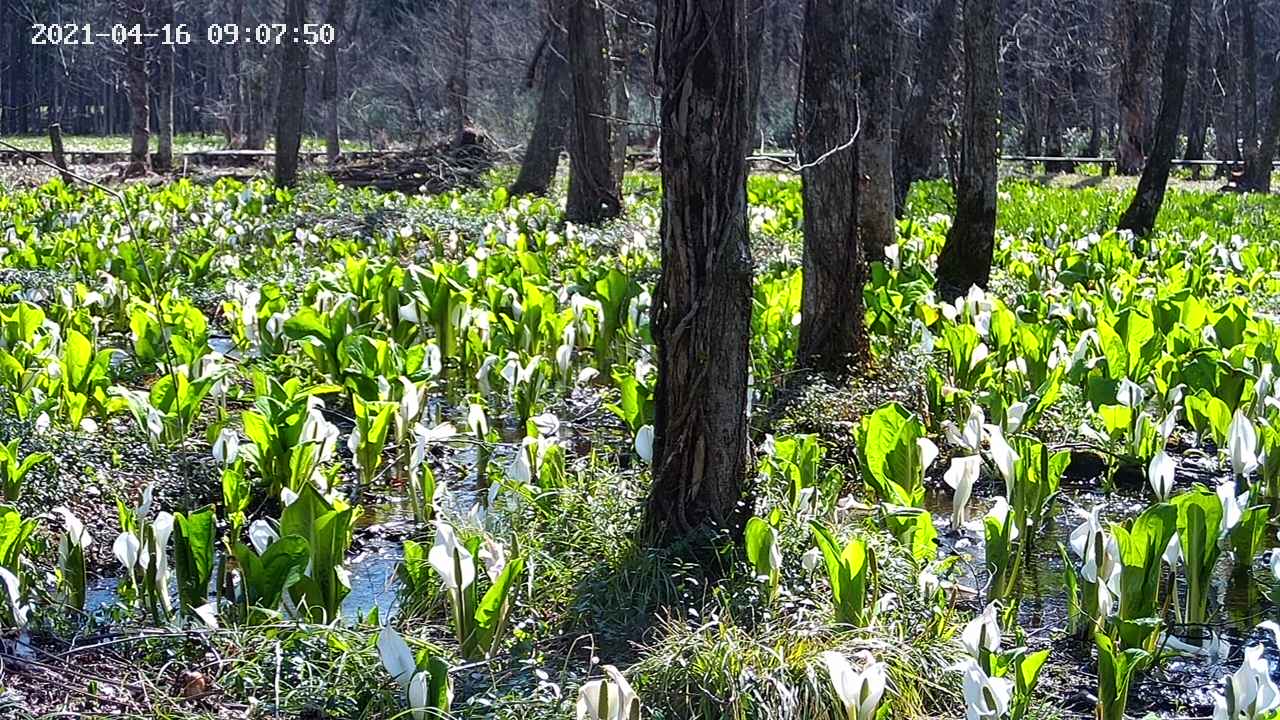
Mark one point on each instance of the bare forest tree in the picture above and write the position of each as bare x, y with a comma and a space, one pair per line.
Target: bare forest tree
293, 97
1134, 27
459, 88
877, 223
135, 13
163, 17
965, 259
593, 190
555, 104
331, 82
832, 336
918, 137
1140, 217
702, 302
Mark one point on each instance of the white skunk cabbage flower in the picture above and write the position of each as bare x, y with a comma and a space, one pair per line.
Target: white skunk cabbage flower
985, 697
961, 476
77, 534
928, 452
859, 692
126, 548
476, 421
1242, 444
396, 656
1003, 455
1250, 694
226, 447
21, 613
982, 632
644, 444
261, 535
1232, 509
547, 424
1130, 394
451, 560
811, 559
609, 699
1160, 474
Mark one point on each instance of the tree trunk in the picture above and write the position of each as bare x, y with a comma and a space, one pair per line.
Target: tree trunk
329, 85
832, 336
542, 155
1225, 126
291, 107
1196, 107
135, 13
702, 302
1253, 170
1140, 218
165, 56
965, 259
621, 61
235, 83
593, 190
459, 79
1259, 178
1135, 32
918, 138
877, 222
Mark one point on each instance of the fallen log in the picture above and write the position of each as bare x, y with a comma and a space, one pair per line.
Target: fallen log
458, 162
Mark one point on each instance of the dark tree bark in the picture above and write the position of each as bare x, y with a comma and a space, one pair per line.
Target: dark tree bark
459, 79
877, 222
329, 85
165, 56
555, 103
1196, 109
135, 13
918, 138
1226, 129
965, 259
1258, 179
620, 43
593, 190
235, 85
832, 336
1135, 34
702, 302
1249, 88
1140, 217
291, 106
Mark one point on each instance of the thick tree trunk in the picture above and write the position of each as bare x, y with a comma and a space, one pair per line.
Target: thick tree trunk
459, 83
164, 65
918, 138
1196, 108
542, 155
1258, 179
291, 107
1135, 33
135, 13
621, 68
329, 92
1140, 217
702, 303
877, 222
832, 336
1249, 88
1254, 172
235, 83
965, 259
1226, 131
593, 190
